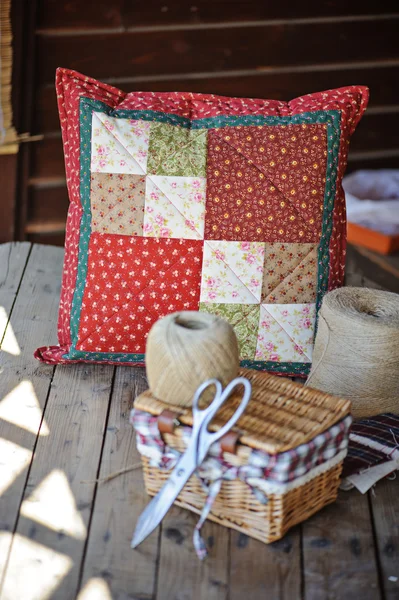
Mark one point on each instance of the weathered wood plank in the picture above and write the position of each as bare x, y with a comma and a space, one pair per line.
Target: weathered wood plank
181, 573
127, 573
13, 257
258, 571
338, 551
56, 508
25, 382
63, 15
385, 507
382, 81
216, 49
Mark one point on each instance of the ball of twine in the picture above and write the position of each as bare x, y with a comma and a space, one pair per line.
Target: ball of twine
185, 349
356, 352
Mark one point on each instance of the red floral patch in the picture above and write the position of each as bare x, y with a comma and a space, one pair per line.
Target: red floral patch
266, 183
132, 282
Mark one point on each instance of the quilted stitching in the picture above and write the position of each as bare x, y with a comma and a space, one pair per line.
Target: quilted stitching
290, 274
338, 110
154, 277
175, 207
245, 320
117, 203
177, 151
244, 203
232, 272
286, 332
119, 145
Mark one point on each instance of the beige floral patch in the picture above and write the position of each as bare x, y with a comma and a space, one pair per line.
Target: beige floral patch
290, 273
117, 203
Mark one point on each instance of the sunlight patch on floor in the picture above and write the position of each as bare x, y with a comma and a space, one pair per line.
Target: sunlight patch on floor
34, 571
13, 460
95, 589
10, 343
52, 504
21, 407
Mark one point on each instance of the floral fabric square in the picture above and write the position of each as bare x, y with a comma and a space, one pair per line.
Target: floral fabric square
286, 332
117, 203
290, 273
119, 145
131, 282
260, 189
192, 201
232, 272
174, 207
245, 320
177, 151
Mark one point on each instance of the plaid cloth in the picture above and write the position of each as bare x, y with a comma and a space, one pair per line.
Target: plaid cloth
372, 442
264, 473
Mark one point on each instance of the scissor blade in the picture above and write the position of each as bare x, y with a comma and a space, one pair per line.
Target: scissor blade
155, 511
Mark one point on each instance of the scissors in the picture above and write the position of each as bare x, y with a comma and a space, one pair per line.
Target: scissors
200, 441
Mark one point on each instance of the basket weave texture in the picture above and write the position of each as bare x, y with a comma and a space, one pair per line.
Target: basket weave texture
280, 416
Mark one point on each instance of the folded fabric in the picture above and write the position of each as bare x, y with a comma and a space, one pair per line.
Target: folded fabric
373, 451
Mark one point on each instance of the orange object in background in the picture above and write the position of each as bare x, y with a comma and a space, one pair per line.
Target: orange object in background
374, 240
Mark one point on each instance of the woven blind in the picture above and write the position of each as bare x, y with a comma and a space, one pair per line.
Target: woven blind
8, 136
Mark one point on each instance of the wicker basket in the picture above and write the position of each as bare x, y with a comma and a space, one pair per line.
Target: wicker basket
280, 416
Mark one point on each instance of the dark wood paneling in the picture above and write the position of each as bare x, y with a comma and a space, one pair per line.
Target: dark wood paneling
52, 239
383, 84
8, 181
48, 159
48, 203
376, 132
56, 14
386, 162
219, 49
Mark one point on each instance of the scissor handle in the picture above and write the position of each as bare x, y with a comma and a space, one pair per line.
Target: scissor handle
202, 418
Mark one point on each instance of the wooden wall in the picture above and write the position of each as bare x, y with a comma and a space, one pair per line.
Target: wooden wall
256, 48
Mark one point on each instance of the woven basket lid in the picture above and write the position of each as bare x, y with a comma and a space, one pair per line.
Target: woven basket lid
280, 416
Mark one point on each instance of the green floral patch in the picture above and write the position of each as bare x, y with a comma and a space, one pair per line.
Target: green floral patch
177, 151
245, 320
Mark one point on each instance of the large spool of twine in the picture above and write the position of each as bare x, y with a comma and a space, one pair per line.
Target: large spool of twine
185, 349
356, 352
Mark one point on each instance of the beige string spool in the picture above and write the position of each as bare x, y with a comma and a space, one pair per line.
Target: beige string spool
185, 349
356, 352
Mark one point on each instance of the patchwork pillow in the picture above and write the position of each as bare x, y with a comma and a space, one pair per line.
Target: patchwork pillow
184, 201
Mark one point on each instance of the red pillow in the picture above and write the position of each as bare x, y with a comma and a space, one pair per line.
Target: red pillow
183, 201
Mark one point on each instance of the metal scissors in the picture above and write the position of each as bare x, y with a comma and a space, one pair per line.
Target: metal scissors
200, 441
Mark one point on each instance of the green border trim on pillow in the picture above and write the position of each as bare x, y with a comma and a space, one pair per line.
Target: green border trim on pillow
331, 118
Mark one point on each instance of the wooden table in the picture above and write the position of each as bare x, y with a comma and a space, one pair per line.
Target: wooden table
63, 536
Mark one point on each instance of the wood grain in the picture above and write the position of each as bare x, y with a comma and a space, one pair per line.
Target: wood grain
25, 382
8, 178
258, 571
216, 49
75, 416
382, 81
13, 259
385, 508
127, 573
48, 203
181, 575
62, 15
338, 551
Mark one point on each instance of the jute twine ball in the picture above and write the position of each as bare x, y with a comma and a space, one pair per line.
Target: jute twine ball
185, 349
356, 352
